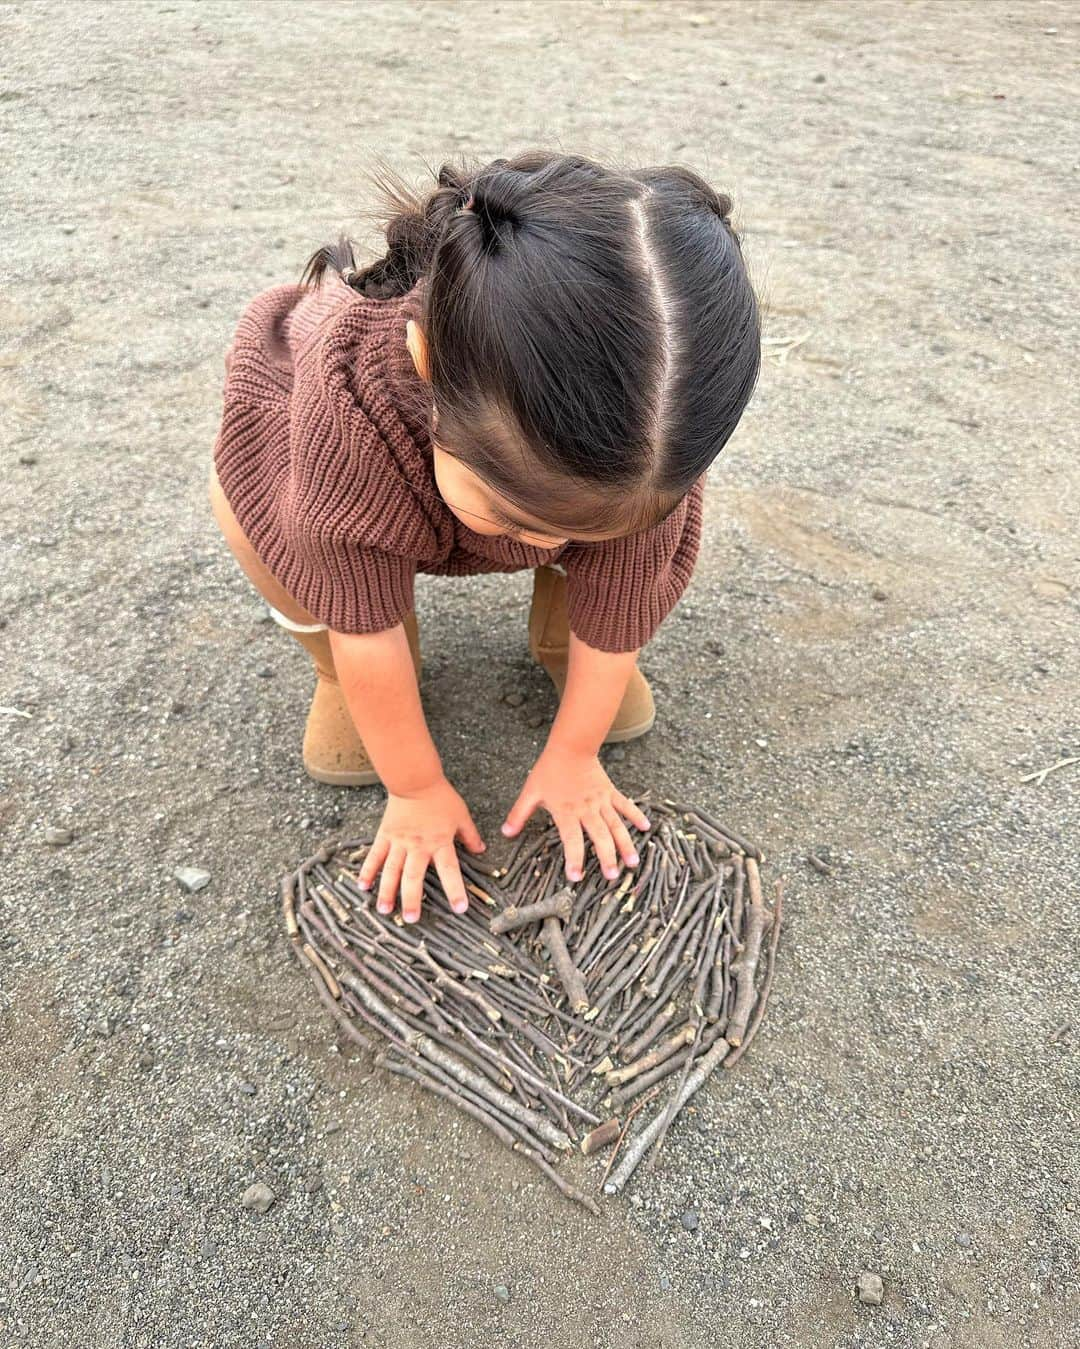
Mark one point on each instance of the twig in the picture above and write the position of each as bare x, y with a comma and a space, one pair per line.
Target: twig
1040, 777
759, 1011
634, 1153
558, 905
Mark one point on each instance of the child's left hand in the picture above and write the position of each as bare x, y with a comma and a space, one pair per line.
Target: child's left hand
579, 795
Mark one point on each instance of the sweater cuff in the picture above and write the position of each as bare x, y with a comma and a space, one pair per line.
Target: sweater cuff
604, 629
357, 590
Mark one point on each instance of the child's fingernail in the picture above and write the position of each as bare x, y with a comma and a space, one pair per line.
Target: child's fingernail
384, 909
633, 859
482, 848
460, 905
506, 831
645, 824
573, 874
365, 885
411, 917
612, 873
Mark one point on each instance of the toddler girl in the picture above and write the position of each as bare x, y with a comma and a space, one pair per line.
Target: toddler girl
536, 375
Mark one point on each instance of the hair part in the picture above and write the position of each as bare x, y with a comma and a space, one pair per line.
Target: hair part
593, 334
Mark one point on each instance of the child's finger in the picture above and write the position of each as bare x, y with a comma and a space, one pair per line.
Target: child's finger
573, 846
621, 835
603, 844
519, 813
470, 836
373, 861
388, 881
412, 884
446, 865
632, 811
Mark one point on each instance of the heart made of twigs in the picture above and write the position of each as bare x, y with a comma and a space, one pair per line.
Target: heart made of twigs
553, 1014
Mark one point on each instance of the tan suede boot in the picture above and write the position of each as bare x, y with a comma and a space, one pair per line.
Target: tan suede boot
549, 642
333, 751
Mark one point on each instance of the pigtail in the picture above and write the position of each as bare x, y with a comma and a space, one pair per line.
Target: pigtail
412, 225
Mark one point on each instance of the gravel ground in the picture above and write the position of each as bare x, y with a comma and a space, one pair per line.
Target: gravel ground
880, 642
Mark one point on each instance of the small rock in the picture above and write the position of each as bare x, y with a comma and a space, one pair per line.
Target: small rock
192, 879
265, 672
207, 1249
880, 595
870, 1288
617, 753
57, 837
514, 698
182, 916
313, 1184
819, 79
502, 1292
306, 822
146, 1059
248, 1088
28, 460
258, 1197
963, 1240
70, 229
690, 1220
665, 1284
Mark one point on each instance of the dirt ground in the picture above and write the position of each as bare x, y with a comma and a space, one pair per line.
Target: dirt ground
879, 644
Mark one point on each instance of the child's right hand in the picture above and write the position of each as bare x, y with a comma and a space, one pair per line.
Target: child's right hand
419, 830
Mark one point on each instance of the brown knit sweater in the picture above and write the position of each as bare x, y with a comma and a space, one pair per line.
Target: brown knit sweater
325, 458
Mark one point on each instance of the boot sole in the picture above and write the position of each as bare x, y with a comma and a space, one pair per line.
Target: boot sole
332, 778
629, 732
613, 737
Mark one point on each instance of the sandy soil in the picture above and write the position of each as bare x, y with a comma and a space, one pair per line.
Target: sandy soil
880, 642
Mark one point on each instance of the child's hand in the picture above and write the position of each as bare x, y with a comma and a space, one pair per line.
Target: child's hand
578, 794
418, 830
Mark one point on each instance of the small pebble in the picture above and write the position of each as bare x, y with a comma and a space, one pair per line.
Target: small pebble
690, 1220
28, 460
207, 1249
502, 1292
313, 1185
871, 1289
265, 672
617, 753
247, 1088
513, 699
192, 879
258, 1197
146, 1059
819, 79
963, 1240
665, 1284
70, 229
57, 837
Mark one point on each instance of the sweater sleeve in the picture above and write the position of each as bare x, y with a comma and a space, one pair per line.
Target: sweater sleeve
308, 474
620, 591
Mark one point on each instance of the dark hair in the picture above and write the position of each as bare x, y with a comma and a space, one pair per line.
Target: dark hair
593, 334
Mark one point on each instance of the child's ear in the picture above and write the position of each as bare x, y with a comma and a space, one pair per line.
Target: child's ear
418, 349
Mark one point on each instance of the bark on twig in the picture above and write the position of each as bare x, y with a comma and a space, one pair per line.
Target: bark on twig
708, 1063
558, 905
569, 974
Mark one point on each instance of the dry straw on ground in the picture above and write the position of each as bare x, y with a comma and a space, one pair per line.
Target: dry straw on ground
554, 1015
